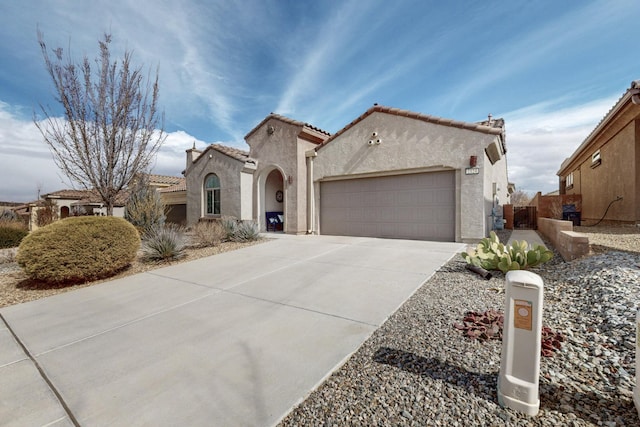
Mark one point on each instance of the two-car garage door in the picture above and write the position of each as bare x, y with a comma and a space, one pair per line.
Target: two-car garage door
414, 206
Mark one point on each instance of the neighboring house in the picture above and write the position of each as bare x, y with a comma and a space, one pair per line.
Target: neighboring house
88, 202
83, 202
605, 168
389, 173
174, 198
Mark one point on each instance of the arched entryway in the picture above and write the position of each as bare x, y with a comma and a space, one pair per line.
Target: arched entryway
273, 198
64, 212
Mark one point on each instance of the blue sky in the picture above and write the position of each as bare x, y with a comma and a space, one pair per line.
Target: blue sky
552, 69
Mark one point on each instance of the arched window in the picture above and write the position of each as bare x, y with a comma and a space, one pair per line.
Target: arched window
212, 195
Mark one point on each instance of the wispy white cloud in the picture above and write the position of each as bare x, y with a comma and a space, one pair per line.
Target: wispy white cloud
560, 35
25, 160
26, 163
324, 52
541, 136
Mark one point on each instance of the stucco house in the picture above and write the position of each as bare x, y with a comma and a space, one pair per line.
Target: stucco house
605, 168
389, 173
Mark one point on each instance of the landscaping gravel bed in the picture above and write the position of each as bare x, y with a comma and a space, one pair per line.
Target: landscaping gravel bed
418, 370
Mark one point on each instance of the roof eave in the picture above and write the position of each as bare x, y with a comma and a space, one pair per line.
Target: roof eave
606, 120
474, 127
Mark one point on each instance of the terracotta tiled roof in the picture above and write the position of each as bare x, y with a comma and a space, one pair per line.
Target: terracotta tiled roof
479, 127
232, 152
164, 179
85, 196
181, 186
285, 120
68, 194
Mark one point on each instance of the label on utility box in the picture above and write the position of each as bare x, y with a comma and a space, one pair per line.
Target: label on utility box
522, 316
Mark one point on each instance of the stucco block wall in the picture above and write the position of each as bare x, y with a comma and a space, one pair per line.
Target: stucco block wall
602, 184
229, 173
618, 174
410, 146
551, 206
570, 245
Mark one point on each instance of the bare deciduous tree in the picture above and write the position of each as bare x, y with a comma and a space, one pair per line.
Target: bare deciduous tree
520, 198
111, 129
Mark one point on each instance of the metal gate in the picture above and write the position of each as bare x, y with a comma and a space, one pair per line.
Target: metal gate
525, 217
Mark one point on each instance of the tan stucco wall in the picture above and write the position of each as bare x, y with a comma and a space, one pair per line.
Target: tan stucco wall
408, 146
284, 151
617, 175
229, 172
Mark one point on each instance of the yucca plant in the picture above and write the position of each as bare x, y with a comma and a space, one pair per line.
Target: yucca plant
164, 244
246, 231
230, 227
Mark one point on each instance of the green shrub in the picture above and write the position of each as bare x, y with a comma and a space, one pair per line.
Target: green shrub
207, 233
78, 249
163, 244
144, 208
10, 237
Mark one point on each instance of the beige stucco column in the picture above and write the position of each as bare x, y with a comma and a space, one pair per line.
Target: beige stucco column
310, 155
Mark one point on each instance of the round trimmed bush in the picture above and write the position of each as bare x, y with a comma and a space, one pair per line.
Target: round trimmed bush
78, 249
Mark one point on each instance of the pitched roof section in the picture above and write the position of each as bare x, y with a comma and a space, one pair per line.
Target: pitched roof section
181, 186
164, 179
288, 121
232, 152
68, 194
497, 127
86, 196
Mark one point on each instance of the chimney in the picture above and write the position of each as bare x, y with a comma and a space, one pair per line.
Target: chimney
192, 155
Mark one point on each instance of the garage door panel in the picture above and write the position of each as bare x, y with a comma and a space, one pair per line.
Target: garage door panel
413, 206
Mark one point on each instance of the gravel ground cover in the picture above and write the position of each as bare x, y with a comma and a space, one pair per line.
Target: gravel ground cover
417, 370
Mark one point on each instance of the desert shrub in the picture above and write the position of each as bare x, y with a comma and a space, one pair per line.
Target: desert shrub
78, 249
144, 208
163, 244
229, 227
247, 231
207, 233
47, 214
236, 230
10, 236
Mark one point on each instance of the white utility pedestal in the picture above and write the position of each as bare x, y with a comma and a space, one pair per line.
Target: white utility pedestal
520, 364
636, 390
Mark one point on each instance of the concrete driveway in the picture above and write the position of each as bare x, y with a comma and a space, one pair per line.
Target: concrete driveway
236, 339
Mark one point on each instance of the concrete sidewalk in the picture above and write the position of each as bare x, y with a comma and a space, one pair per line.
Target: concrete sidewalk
530, 236
234, 339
